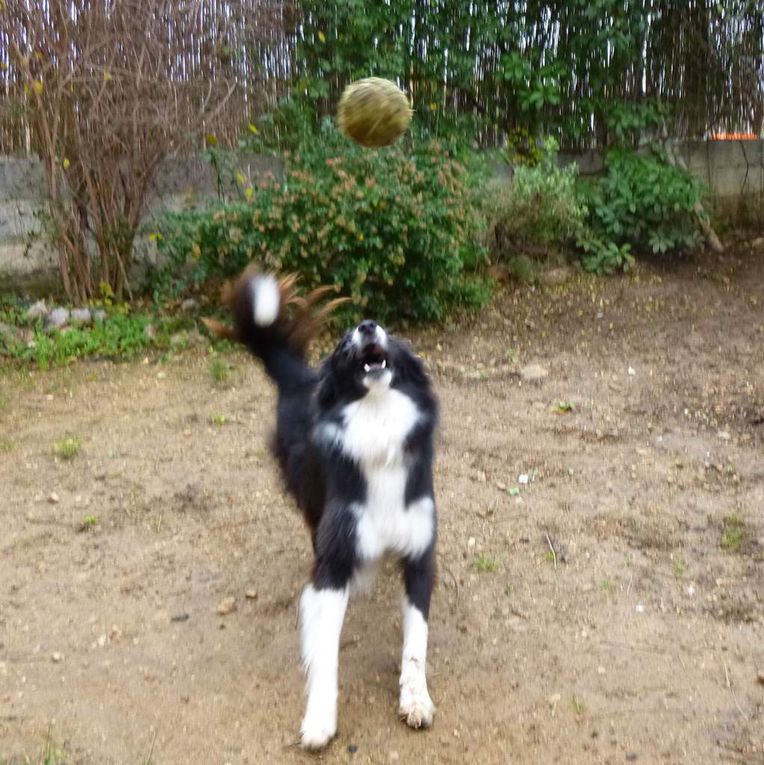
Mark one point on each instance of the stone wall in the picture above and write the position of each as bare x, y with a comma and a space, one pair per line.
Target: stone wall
28, 262
732, 170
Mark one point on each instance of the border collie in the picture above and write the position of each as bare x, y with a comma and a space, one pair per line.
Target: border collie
354, 441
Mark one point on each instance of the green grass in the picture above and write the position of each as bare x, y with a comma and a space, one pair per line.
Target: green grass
219, 420
88, 522
127, 331
485, 564
220, 371
608, 586
6, 445
735, 534
67, 448
678, 566
578, 706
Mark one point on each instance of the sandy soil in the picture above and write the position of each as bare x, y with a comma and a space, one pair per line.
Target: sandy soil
604, 611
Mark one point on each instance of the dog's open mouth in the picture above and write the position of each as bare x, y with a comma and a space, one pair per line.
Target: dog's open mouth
373, 359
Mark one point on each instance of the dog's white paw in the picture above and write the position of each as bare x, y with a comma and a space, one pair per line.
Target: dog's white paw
416, 706
316, 733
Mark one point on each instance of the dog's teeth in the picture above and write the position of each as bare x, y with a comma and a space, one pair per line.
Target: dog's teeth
384, 364
366, 367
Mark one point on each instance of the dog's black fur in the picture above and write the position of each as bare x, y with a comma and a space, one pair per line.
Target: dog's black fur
328, 483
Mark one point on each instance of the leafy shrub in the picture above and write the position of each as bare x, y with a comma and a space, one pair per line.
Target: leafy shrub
640, 202
394, 229
538, 209
603, 257
644, 202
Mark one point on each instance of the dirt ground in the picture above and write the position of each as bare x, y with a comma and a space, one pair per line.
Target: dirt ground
609, 610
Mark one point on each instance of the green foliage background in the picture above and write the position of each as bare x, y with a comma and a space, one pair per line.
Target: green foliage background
587, 72
396, 229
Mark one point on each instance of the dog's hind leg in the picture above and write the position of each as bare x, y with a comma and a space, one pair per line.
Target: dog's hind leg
416, 706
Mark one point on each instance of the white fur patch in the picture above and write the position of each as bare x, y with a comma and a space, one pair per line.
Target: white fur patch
380, 337
266, 299
385, 524
376, 427
376, 383
415, 705
321, 615
375, 430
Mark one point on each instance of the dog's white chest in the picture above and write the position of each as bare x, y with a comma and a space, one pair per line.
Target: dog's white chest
376, 428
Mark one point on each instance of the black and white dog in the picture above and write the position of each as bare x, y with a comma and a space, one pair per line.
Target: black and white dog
354, 441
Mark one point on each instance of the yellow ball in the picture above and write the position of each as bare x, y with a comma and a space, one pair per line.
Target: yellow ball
374, 112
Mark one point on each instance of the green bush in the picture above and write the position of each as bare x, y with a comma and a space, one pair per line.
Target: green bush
643, 202
639, 203
538, 209
395, 229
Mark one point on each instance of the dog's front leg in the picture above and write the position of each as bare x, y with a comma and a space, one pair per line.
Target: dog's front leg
322, 611
416, 706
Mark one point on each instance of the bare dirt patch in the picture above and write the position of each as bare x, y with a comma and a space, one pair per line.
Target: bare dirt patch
592, 605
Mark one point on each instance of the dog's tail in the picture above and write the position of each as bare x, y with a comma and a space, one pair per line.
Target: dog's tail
274, 322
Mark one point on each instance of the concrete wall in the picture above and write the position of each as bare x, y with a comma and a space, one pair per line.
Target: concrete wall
733, 171
28, 262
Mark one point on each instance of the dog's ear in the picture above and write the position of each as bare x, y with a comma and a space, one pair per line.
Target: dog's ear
409, 366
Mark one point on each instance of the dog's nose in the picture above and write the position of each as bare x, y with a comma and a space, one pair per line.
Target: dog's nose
367, 328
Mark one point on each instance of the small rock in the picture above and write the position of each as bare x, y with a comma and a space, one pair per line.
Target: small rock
189, 304
37, 311
639, 608
523, 478
554, 699
251, 594
471, 542
480, 476
101, 641
533, 373
758, 243
724, 435
631, 757
80, 316
760, 678
99, 315
631, 371
7, 331
57, 318
56, 656
227, 605
53, 498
